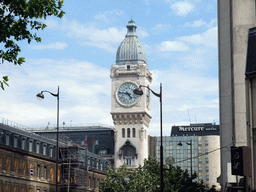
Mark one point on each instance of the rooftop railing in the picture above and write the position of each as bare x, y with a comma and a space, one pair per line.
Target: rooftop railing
52, 127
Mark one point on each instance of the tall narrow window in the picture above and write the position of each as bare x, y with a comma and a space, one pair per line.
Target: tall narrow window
8, 187
51, 174
45, 172
7, 139
16, 188
23, 141
133, 132
128, 132
207, 169
30, 146
44, 149
37, 147
24, 168
50, 152
8, 165
123, 133
15, 141
38, 171
16, 166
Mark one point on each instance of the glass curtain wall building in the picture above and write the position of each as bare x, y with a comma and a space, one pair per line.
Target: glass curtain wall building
205, 150
181, 154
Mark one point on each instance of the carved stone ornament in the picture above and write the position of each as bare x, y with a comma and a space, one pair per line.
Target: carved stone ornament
141, 133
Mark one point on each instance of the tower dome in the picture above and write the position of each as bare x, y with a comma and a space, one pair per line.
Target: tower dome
130, 50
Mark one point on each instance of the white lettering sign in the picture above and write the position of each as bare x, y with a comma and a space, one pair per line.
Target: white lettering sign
191, 128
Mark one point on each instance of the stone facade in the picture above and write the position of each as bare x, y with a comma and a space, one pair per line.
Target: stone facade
234, 20
27, 162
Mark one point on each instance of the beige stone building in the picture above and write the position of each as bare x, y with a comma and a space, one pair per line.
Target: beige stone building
28, 164
236, 90
27, 161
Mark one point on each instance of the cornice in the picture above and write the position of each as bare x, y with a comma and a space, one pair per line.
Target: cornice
131, 118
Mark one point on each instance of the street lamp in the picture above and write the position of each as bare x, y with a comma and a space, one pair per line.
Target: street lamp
41, 96
188, 143
138, 91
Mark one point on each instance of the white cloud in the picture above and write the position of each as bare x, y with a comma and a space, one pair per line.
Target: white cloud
57, 45
91, 35
183, 90
182, 8
208, 38
197, 23
172, 46
108, 15
201, 22
83, 86
161, 27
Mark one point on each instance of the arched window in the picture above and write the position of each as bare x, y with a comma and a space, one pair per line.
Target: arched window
129, 155
133, 132
123, 133
128, 132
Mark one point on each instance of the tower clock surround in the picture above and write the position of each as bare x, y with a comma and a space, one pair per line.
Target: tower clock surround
131, 113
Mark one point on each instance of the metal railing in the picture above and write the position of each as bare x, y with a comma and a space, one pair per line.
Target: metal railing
52, 127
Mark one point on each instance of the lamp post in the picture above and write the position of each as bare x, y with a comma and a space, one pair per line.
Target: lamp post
138, 91
41, 96
188, 143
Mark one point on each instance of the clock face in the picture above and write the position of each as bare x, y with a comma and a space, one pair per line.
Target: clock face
125, 93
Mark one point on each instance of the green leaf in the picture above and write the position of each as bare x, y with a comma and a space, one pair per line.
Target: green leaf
5, 78
18, 19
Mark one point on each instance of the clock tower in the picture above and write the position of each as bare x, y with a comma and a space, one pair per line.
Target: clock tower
130, 113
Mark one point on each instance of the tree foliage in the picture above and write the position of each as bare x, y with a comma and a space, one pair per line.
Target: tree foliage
18, 19
147, 179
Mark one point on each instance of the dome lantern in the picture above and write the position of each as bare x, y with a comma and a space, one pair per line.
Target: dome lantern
131, 50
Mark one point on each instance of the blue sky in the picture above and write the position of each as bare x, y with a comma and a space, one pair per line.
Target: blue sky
77, 51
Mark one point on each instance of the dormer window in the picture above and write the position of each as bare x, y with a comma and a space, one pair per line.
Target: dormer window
37, 147
7, 141
44, 149
15, 142
51, 151
30, 148
23, 142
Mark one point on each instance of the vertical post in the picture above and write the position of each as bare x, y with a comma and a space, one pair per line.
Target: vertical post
191, 157
57, 140
161, 145
69, 162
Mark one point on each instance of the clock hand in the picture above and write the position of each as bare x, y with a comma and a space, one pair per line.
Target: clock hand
129, 94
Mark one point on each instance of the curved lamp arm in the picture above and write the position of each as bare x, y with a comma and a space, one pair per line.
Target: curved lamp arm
138, 91
156, 94
41, 95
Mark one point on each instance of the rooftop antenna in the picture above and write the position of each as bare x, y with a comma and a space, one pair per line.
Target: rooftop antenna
189, 116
